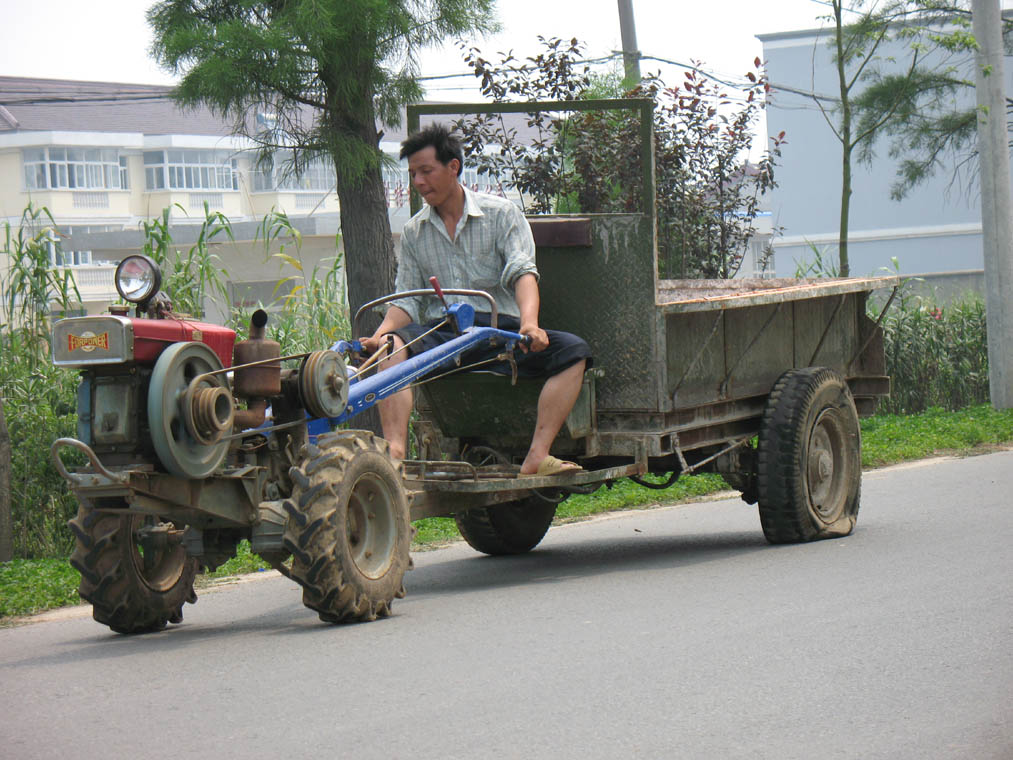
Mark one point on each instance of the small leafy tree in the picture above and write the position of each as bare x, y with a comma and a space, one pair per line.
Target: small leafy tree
537, 167
707, 194
876, 93
936, 125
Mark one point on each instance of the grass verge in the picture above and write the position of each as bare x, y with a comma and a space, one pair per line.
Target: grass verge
31, 586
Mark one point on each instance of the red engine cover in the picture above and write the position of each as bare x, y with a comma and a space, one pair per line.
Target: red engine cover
153, 336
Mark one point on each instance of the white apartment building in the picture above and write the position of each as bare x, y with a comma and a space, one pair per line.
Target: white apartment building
934, 232
105, 157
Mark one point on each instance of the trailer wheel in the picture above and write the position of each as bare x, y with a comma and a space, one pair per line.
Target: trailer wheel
348, 527
809, 463
135, 583
514, 527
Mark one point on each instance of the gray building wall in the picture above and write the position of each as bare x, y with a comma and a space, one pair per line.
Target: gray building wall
936, 228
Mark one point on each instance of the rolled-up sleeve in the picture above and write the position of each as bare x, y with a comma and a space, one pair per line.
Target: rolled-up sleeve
408, 277
517, 246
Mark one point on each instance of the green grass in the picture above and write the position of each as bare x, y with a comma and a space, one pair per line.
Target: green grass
891, 438
30, 586
244, 562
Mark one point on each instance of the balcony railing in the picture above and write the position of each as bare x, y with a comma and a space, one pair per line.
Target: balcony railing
94, 281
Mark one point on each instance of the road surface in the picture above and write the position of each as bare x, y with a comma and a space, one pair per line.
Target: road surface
669, 633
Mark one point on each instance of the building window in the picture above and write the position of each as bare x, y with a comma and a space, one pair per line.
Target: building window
189, 170
62, 258
316, 175
74, 169
56, 242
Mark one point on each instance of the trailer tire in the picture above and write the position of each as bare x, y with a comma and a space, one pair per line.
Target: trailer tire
348, 528
514, 527
809, 462
132, 588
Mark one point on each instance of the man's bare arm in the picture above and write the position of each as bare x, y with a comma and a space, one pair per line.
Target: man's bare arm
526, 293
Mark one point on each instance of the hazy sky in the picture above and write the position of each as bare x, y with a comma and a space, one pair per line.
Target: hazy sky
107, 40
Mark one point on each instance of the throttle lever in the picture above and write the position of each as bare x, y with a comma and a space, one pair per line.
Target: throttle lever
439, 291
451, 318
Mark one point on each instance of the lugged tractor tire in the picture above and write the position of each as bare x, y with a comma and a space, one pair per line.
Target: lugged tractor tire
809, 458
133, 588
514, 527
348, 527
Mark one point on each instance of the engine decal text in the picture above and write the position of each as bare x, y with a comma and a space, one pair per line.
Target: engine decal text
88, 342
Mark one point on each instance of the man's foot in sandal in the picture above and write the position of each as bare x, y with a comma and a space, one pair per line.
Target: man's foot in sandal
552, 466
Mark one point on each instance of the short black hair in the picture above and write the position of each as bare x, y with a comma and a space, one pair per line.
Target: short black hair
447, 145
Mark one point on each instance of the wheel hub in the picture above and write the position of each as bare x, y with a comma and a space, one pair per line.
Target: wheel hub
371, 527
823, 468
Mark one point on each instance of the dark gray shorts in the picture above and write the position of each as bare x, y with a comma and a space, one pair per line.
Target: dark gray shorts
564, 349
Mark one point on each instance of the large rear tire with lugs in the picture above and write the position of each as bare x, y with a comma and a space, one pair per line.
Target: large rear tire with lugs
809, 458
348, 528
137, 581
514, 527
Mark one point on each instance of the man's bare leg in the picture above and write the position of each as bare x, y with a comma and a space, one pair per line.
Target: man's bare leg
395, 410
557, 398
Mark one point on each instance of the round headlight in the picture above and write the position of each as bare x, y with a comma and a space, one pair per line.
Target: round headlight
138, 278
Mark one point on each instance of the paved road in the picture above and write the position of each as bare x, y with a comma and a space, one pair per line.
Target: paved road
675, 632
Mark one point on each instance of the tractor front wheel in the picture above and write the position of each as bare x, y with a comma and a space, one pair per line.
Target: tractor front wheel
348, 528
135, 576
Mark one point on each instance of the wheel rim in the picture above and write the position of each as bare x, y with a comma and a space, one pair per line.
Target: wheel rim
158, 568
826, 465
371, 527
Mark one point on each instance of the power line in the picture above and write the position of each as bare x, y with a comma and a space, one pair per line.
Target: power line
34, 96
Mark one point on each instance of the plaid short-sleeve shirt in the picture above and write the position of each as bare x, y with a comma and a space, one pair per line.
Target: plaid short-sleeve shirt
492, 247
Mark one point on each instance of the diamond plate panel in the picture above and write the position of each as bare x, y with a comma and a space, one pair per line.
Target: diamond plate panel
605, 294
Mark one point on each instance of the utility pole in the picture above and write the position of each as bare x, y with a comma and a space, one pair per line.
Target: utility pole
996, 207
631, 55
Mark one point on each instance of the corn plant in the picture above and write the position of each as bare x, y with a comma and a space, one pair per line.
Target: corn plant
32, 286
191, 277
314, 309
37, 399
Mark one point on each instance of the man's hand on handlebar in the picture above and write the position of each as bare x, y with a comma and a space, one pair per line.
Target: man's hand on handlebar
539, 340
394, 318
371, 344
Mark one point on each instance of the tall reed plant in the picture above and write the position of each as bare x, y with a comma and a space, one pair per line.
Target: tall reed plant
189, 278
37, 398
314, 308
937, 356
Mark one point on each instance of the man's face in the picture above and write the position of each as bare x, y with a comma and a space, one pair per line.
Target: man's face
435, 182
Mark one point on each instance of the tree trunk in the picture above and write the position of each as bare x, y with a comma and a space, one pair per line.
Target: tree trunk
370, 266
6, 524
365, 231
368, 243
846, 146
845, 268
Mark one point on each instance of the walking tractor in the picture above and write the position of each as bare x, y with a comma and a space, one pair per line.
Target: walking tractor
194, 440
